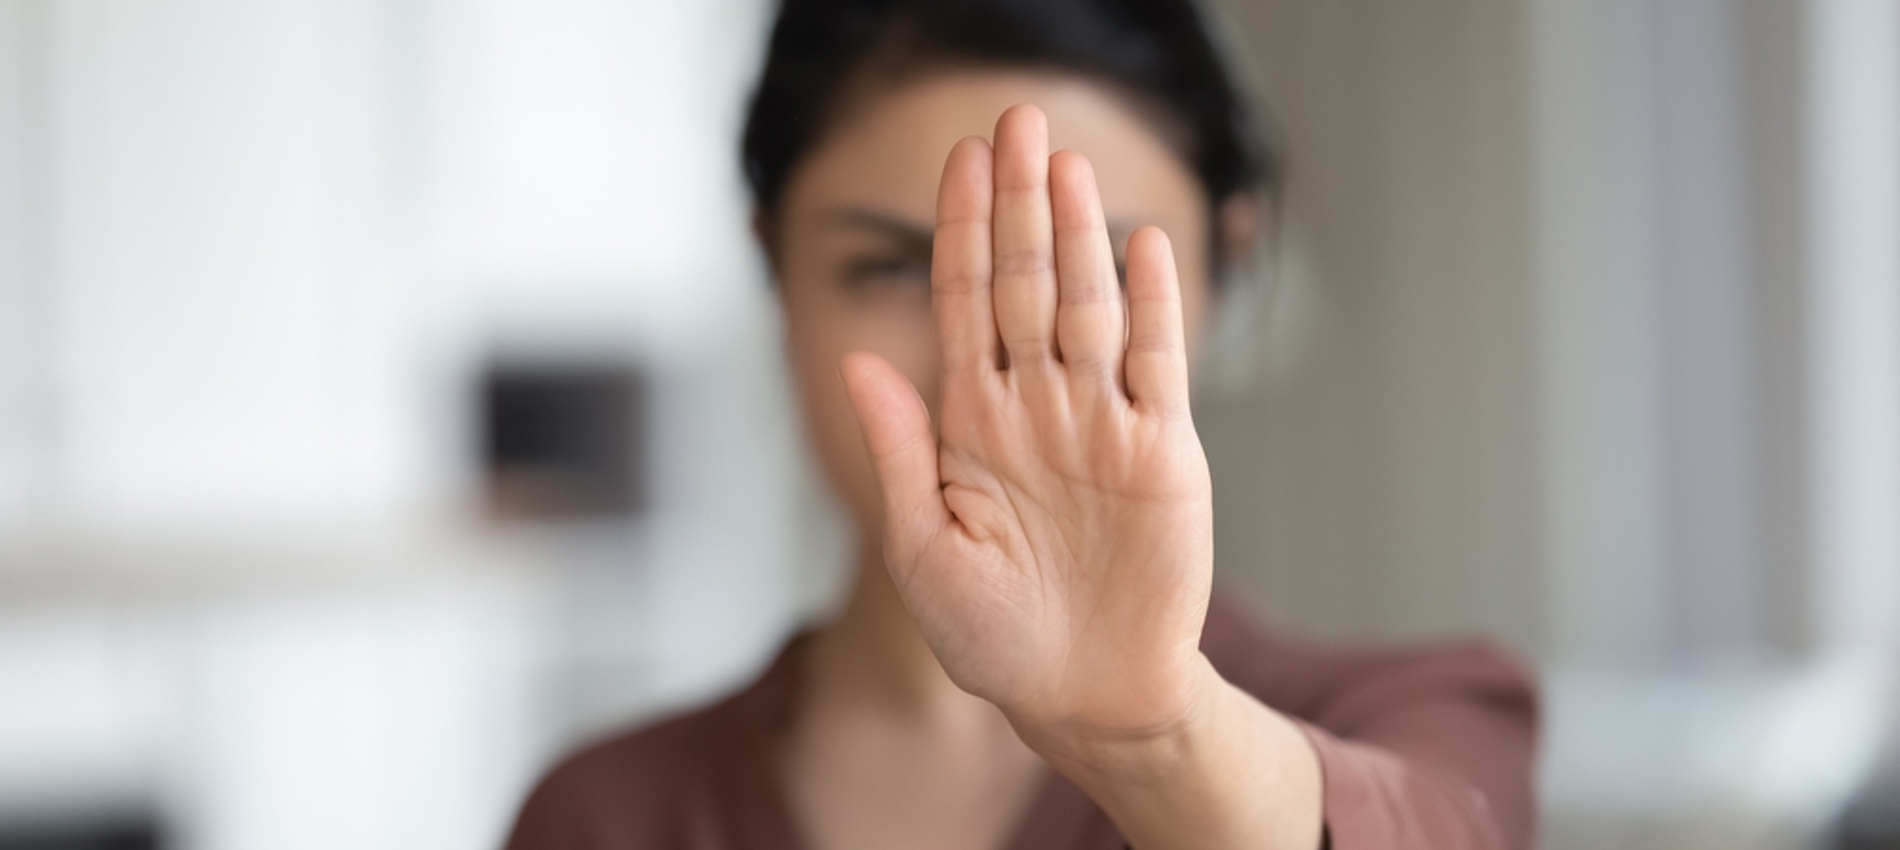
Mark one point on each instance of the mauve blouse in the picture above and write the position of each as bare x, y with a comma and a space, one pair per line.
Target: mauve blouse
1420, 748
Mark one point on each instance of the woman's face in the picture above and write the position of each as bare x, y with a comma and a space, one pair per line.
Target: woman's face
854, 230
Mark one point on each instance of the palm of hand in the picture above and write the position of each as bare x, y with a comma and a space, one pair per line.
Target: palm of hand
1054, 542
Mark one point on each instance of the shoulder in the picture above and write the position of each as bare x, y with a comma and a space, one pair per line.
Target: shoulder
698, 779
1349, 685
1408, 736
618, 792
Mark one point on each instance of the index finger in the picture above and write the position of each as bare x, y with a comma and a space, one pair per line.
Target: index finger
960, 268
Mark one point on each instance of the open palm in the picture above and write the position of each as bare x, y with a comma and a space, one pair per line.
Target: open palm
1053, 538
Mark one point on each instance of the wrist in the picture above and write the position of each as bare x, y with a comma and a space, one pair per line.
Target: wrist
1234, 770
1150, 753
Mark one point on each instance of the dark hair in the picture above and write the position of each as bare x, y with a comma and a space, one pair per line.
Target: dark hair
1157, 51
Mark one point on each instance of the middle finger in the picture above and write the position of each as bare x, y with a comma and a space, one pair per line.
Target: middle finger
1023, 238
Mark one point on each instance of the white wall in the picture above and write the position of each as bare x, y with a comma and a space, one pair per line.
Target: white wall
1584, 340
22, 365
202, 258
1853, 314
1377, 475
252, 259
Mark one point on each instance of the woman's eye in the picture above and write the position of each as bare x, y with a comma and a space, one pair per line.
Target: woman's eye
877, 272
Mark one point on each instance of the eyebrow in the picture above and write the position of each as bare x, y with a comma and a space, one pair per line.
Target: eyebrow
915, 237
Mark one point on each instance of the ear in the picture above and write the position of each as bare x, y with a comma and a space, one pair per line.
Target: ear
1239, 228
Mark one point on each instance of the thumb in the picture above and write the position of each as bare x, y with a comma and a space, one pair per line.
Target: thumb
896, 428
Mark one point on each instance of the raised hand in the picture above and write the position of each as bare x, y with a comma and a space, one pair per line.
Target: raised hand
1053, 539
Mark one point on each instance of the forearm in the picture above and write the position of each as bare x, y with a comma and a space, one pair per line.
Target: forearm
1233, 774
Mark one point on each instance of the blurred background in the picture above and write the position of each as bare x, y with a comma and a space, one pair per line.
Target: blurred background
389, 399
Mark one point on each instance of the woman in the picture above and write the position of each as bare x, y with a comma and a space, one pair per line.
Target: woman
1029, 657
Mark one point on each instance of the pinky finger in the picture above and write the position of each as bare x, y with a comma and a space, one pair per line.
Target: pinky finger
1156, 367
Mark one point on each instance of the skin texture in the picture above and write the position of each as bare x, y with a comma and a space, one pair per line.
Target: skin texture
1010, 429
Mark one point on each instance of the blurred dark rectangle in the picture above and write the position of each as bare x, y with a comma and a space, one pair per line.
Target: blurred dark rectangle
1871, 821
564, 441
126, 834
